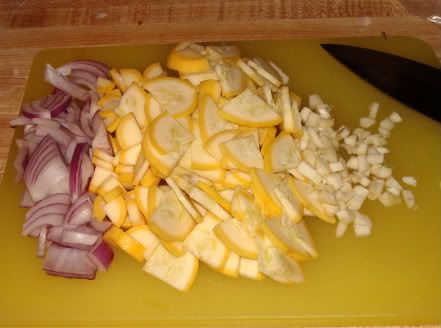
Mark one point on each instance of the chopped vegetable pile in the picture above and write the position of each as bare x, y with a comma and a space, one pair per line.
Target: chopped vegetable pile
215, 160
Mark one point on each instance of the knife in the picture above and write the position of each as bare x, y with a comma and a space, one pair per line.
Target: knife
414, 84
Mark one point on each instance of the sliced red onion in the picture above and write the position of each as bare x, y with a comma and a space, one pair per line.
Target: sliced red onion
83, 78
76, 237
94, 108
74, 171
28, 129
93, 67
101, 226
21, 120
21, 160
46, 122
73, 113
55, 208
86, 173
55, 235
49, 219
42, 241
44, 152
53, 199
57, 91
85, 121
74, 129
102, 255
56, 104
80, 212
52, 76
70, 150
101, 139
26, 201
58, 134
68, 262
33, 110
46, 174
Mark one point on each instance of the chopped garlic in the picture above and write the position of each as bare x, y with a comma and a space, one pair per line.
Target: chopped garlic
385, 133
375, 189
381, 171
303, 144
314, 137
388, 199
323, 111
343, 132
408, 198
352, 163
373, 109
383, 150
362, 225
361, 191
313, 120
340, 229
351, 140
330, 209
391, 182
375, 159
346, 216
395, 117
304, 113
309, 157
356, 202
411, 181
387, 124
366, 122
315, 101
362, 148
335, 180
365, 181
362, 163
309, 172
394, 191
337, 166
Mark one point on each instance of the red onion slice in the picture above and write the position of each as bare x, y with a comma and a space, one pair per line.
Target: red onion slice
86, 173
44, 177
32, 111
91, 66
101, 139
21, 160
80, 212
21, 120
53, 199
59, 134
42, 241
74, 171
68, 262
52, 76
85, 122
83, 78
46, 122
26, 201
76, 237
101, 255
49, 219
101, 226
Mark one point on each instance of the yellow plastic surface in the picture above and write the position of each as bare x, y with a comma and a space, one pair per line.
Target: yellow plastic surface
392, 277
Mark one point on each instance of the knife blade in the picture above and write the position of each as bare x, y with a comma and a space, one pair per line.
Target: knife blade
414, 84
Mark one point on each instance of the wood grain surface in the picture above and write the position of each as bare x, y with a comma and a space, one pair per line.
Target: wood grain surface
29, 26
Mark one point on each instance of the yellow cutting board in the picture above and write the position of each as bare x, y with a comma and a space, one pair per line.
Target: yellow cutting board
392, 277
